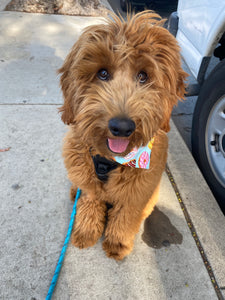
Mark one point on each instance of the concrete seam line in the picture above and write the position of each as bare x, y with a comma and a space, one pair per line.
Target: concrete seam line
194, 235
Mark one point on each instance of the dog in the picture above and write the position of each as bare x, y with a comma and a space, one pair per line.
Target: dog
120, 82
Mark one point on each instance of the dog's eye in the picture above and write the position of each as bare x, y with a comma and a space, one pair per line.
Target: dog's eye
142, 77
103, 74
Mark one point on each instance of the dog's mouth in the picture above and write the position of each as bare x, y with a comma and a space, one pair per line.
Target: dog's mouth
117, 145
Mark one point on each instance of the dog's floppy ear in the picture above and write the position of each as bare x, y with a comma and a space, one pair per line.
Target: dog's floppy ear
177, 94
79, 69
69, 80
67, 87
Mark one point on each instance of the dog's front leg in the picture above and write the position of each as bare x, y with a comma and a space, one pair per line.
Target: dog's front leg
123, 223
89, 222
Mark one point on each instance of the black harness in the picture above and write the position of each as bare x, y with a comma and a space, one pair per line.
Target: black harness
103, 166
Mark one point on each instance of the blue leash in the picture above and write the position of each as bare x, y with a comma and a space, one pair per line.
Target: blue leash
63, 252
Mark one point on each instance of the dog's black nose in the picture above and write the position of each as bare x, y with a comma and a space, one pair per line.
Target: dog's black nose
121, 126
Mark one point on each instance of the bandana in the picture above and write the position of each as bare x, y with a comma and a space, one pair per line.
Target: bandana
138, 157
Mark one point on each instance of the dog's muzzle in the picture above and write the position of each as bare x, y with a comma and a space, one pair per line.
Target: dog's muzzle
121, 129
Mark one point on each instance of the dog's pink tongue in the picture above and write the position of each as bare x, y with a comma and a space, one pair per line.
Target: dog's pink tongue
118, 145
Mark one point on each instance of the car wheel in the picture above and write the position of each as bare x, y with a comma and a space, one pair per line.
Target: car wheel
208, 132
124, 5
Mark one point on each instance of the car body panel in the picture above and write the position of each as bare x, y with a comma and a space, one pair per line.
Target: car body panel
204, 18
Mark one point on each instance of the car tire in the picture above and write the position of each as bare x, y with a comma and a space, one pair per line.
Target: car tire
124, 5
208, 132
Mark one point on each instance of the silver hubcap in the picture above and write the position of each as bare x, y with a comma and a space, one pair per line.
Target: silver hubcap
215, 140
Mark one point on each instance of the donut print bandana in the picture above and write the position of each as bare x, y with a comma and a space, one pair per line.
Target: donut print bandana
137, 158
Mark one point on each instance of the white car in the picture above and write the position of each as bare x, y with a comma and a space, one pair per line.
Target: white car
199, 27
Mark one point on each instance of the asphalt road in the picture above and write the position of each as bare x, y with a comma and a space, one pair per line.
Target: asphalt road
163, 7
115, 4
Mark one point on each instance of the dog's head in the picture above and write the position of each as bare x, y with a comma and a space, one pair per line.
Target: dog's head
120, 82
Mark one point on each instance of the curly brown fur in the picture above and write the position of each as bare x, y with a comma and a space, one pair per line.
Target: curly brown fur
123, 49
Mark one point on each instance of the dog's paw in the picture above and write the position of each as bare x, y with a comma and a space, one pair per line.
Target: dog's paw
116, 250
83, 240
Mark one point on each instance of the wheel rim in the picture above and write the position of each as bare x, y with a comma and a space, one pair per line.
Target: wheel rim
215, 140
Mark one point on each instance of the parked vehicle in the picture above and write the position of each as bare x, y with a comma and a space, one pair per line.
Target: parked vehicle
199, 27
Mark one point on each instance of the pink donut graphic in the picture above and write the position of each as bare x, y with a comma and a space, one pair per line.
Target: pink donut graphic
143, 160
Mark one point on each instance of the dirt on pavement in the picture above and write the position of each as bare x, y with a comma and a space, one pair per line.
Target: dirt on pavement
64, 7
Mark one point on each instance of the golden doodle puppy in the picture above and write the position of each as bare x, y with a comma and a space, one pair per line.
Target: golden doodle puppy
120, 82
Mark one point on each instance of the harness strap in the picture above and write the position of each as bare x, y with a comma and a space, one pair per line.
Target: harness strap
103, 166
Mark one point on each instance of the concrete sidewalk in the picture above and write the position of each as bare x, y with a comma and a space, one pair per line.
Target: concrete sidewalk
168, 261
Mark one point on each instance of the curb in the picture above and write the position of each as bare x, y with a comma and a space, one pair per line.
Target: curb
207, 219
